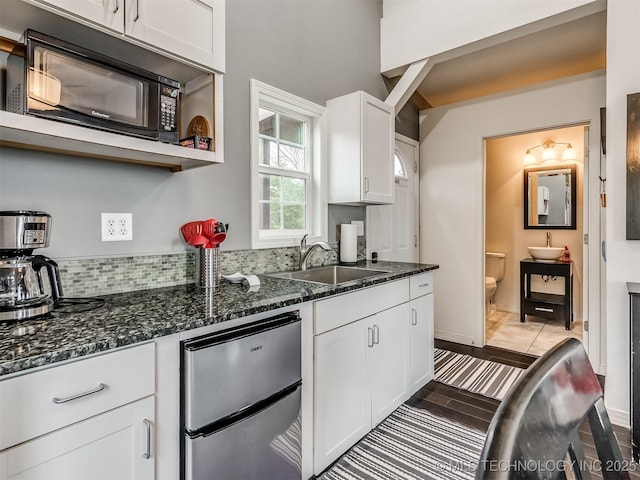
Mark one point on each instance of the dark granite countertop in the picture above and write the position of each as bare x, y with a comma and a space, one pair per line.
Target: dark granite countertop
129, 318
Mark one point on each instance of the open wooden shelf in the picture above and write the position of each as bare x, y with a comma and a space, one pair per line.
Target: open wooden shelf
32, 133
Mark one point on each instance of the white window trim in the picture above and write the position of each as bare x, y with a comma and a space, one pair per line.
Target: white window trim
317, 205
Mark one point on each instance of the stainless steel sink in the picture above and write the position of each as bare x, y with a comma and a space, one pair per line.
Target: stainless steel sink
332, 275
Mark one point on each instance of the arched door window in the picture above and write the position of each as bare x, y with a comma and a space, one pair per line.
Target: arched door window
399, 168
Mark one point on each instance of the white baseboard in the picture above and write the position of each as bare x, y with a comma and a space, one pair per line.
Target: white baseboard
454, 337
619, 417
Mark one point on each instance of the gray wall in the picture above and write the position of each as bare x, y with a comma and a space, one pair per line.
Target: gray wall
316, 49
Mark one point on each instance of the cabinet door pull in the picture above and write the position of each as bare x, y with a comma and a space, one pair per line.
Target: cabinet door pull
370, 336
117, 7
414, 317
376, 335
540, 309
147, 438
366, 185
137, 11
99, 388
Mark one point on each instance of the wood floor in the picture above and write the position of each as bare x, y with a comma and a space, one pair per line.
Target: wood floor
477, 411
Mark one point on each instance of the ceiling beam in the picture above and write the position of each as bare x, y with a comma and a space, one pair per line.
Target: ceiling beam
408, 83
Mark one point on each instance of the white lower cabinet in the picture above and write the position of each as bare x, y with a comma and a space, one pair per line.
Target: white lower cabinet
114, 445
388, 365
342, 392
92, 418
421, 349
373, 349
360, 378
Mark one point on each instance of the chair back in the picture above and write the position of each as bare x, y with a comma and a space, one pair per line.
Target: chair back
534, 433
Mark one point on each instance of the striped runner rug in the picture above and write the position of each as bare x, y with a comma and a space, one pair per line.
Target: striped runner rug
412, 444
484, 377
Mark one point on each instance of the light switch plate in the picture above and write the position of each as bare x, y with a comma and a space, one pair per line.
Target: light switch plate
360, 225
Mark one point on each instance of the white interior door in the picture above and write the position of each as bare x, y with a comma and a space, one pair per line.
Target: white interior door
392, 230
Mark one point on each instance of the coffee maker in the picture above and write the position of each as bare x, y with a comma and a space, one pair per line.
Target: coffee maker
22, 290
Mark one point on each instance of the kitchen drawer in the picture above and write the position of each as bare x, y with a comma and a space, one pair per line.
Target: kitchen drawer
40, 402
421, 284
337, 311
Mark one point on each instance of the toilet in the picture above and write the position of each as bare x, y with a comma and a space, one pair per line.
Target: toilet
494, 271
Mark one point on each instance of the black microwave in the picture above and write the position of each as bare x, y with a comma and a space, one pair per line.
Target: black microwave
53, 79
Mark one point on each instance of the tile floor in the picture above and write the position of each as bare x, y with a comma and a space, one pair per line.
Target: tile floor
535, 336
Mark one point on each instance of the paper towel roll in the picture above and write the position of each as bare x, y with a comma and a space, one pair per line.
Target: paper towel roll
348, 243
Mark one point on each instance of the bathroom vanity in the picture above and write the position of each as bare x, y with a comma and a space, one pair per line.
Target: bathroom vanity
546, 305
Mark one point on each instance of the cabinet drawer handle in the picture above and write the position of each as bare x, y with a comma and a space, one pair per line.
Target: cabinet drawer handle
423, 285
117, 7
370, 336
414, 317
376, 335
99, 388
540, 309
147, 438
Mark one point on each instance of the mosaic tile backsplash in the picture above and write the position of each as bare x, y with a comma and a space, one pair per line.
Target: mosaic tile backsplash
103, 276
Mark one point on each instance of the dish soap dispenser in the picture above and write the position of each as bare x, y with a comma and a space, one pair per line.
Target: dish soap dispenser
566, 256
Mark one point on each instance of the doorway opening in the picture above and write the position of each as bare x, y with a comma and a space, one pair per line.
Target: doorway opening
508, 231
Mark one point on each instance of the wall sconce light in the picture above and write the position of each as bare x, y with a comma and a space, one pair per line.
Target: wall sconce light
549, 153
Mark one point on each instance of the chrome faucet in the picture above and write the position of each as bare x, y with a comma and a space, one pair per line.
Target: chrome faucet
548, 239
305, 251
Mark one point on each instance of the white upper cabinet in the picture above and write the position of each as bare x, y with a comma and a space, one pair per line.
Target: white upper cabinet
108, 13
192, 31
361, 130
199, 36
149, 35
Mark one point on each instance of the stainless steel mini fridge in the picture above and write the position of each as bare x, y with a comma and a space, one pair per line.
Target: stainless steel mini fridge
241, 392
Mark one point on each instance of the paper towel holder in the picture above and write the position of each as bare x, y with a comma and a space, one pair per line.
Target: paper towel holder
348, 244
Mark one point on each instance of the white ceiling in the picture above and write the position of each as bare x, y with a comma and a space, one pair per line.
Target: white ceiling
569, 49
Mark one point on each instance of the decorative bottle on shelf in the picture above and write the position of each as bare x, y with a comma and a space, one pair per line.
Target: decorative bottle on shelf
566, 256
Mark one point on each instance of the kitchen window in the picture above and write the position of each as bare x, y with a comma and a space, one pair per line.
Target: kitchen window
287, 195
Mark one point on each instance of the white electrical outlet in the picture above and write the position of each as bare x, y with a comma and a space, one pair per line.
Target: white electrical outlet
360, 226
117, 227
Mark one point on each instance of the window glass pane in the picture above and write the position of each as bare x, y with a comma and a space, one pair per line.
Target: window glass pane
267, 122
293, 217
265, 189
263, 222
271, 187
282, 202
270, 205
270, 217
268, 152
292, 158
291, 130
293, 190
275, 218
399, 167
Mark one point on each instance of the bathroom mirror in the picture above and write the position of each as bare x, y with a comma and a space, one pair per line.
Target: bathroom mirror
550, 197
